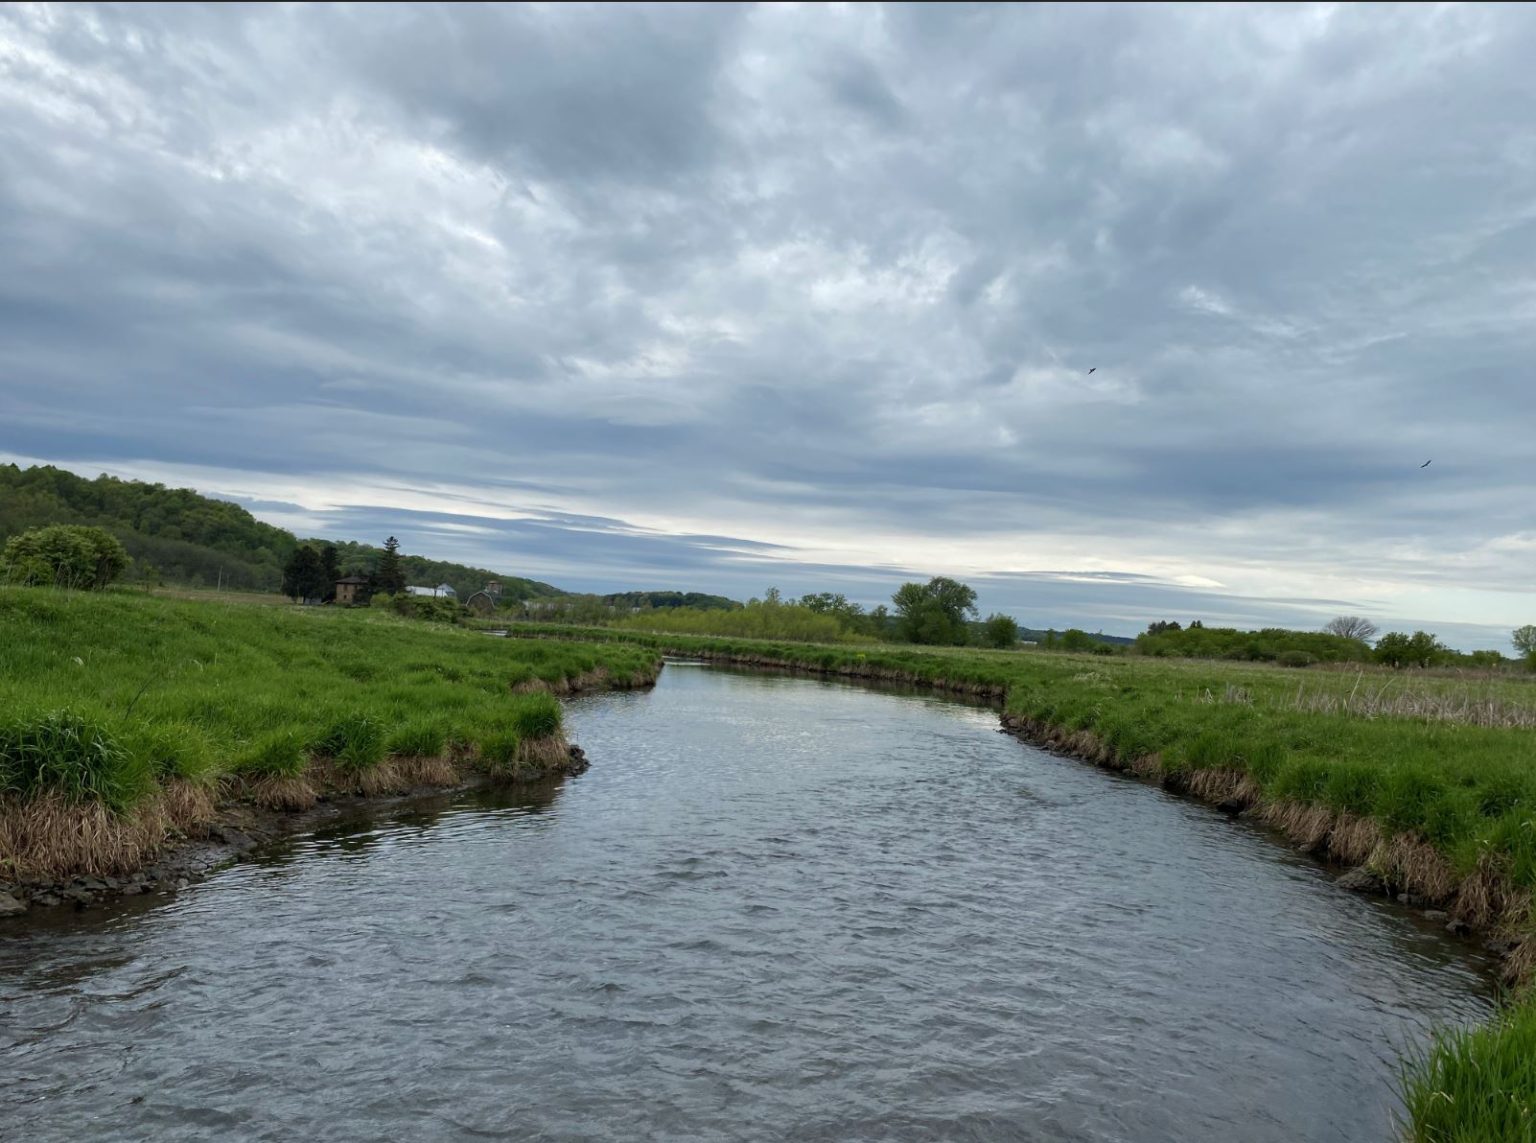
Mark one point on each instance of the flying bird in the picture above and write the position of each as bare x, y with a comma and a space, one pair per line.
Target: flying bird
1426, 464
1090, 372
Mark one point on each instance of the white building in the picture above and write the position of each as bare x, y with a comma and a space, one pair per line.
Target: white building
442, 590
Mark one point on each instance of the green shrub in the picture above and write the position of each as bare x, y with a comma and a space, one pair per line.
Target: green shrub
65, 555
1295, 658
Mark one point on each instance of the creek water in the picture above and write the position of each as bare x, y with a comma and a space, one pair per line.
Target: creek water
775, 908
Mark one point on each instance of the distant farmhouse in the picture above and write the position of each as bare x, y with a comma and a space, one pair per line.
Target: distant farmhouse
347, 588
441, 591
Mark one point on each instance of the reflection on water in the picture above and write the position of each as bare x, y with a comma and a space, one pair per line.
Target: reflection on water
774, 908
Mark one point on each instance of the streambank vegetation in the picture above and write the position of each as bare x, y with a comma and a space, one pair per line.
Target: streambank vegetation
125, 720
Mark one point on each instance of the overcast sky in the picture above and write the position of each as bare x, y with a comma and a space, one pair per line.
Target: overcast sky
718, 298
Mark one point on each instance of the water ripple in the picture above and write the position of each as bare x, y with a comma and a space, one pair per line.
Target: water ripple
775, 908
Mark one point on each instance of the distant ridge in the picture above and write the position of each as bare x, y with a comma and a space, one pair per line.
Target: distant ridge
184, 537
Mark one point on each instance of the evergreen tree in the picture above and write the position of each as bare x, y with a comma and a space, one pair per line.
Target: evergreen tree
304, 575
330, 563
390, 577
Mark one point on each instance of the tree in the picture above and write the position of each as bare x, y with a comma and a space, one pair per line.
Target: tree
1352, 627
390, 578
330, 563
1417, 650
1164, 625
1524, 639
934, 612
1076, 639
65, 555
304, 575
1000, 631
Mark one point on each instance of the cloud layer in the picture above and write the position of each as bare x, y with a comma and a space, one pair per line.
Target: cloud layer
720, 297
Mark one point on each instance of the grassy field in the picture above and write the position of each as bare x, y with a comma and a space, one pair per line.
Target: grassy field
1426, 779
122, 714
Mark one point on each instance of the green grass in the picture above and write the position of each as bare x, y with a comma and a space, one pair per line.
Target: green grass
1476, 1086
72, 756
107, 696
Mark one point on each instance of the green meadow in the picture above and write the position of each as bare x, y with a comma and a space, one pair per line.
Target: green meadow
136, 711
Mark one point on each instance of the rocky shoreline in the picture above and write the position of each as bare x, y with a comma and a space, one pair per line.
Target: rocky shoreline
240, 828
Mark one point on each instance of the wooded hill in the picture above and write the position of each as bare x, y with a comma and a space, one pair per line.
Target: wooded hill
179, 536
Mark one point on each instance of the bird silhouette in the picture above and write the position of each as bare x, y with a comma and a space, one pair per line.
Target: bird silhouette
1426, 464
1090, 372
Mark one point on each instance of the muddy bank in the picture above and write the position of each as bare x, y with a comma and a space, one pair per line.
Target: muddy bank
240, 825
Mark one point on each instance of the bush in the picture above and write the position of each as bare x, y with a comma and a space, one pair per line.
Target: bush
1267, 645
65, 555
1295, 658
1417, 650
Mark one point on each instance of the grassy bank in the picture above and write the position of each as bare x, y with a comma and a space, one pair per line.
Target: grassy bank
1428, 782
124, 716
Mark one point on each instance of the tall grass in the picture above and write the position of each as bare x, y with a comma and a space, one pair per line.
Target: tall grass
1475, 1085
112, 699
72, 757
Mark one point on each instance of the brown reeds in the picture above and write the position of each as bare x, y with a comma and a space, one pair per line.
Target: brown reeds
437, 770
1392, 699
50, 837
275, 792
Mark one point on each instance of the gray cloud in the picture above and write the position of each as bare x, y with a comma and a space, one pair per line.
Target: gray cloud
826, 280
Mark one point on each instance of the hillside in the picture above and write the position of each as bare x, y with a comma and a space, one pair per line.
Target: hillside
465, 580
180, 536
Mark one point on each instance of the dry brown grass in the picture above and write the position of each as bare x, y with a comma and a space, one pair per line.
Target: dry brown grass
1355, 839
1221, 786
277, 793
1413, 865
1520, 963
438, 770
549, 753
1396, 699
48, 837
188, 804
1307, 826
381, 778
